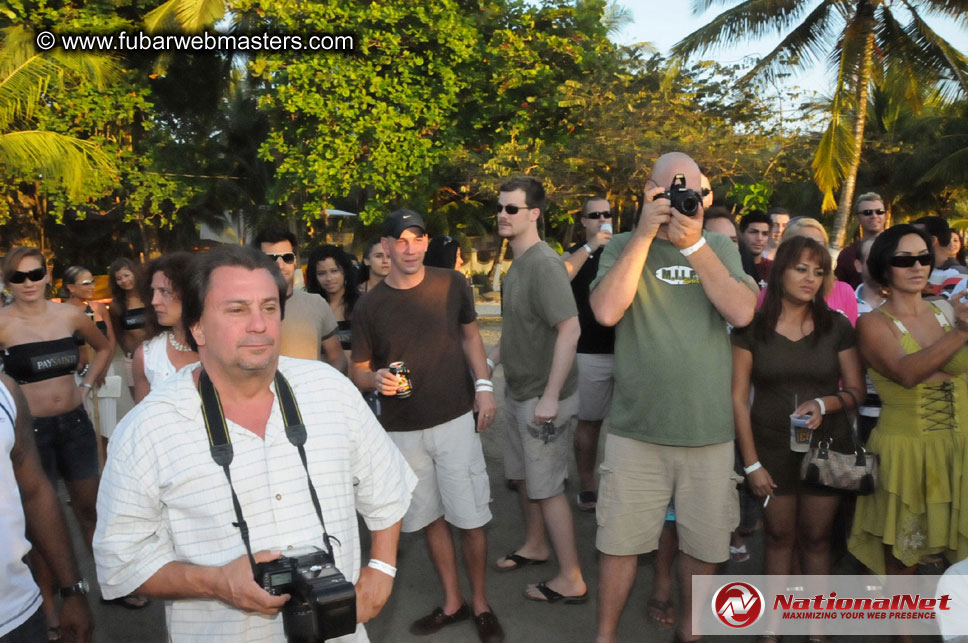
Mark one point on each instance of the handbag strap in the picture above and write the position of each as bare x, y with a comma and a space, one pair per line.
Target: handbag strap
855, 438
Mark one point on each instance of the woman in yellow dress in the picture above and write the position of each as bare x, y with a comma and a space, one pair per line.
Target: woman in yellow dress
917, 353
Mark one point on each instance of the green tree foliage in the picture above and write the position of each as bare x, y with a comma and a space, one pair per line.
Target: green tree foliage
861, 39
373, 120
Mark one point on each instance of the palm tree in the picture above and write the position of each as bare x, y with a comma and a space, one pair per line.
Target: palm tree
859, 38
28, 79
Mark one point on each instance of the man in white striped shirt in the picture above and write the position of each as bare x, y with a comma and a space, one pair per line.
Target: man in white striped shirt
165, 514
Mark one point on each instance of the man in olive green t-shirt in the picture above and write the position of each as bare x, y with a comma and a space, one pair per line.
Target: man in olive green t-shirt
669, 289
539, 337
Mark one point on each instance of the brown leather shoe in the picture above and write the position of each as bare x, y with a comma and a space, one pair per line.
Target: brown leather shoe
437, 619
489, 630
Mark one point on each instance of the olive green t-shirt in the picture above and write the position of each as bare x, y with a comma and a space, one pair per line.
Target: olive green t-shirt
673, 362
537, 297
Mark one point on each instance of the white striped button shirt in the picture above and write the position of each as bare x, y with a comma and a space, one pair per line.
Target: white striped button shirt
162, 498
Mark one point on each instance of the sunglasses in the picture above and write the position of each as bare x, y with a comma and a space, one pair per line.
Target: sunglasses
511, 209
19, 276
906, 261
288, 257
87, 282
604, 214
870, 213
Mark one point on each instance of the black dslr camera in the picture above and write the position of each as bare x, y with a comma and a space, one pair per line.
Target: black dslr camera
683, 199
322, 602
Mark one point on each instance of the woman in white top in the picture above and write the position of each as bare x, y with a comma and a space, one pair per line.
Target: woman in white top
166, 348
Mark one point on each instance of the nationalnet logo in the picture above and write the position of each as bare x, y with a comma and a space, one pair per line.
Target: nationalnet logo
738, 605
852, 605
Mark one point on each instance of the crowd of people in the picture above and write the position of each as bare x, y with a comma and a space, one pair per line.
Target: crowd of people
270, 416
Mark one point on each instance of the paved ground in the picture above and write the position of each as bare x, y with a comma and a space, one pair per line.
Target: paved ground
416, 589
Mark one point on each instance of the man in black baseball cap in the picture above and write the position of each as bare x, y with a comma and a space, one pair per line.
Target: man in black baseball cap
400, 220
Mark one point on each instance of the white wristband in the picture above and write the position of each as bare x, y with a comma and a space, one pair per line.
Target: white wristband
587, 248
483, 381
381, 566
753, 467
823, 407
490, 364
691, 249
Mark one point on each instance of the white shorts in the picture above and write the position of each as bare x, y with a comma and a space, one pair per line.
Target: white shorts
595, 383
451, 477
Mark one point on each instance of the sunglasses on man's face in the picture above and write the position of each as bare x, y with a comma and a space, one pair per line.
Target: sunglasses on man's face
868, 213
288, 257
87, 282
19, 276
604, 214
906, 261
510, 209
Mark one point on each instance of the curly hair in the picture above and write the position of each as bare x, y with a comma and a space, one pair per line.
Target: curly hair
351, 292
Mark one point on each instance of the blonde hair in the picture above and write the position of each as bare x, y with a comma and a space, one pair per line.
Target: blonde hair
796, 228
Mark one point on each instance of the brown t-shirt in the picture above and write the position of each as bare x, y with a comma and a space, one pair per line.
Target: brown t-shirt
420, 326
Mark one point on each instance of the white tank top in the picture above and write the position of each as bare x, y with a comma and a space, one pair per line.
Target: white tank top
157, 365
19, 595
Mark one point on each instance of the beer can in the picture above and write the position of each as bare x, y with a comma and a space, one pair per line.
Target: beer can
404, 388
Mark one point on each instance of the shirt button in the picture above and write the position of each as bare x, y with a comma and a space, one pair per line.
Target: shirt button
278, 496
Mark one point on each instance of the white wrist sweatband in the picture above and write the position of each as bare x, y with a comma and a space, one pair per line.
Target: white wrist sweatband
753, 467
381, 566
587, 248
691, 249
483, 385
823, 407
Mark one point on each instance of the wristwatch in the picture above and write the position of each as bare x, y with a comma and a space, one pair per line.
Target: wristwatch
80, 587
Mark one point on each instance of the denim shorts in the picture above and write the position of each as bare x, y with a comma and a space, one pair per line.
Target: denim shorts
67, 445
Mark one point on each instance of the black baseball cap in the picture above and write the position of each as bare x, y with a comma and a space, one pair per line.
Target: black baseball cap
400, 220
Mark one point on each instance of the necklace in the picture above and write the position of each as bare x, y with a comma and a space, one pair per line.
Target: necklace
177, 345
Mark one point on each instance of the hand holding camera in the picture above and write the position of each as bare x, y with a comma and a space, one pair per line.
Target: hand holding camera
655, 212
235, 586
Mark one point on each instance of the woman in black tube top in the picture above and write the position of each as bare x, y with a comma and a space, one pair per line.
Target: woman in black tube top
36, 336
79, 284
127, 311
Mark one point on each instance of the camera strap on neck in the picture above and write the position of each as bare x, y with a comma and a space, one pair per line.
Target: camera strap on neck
220, 446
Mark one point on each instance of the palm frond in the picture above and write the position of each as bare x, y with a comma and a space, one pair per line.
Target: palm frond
25, 74
832, 160
955, 9
938, 49
802, 47
190, 16
748, 20
951, 169
81, 167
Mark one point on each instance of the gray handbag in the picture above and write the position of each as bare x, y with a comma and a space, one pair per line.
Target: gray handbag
854, 472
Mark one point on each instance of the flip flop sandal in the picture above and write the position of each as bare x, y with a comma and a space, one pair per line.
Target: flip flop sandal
519, 562
656, 610
551, 596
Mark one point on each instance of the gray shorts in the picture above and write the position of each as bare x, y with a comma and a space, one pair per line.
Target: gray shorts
538, 454
451, 477
595, 383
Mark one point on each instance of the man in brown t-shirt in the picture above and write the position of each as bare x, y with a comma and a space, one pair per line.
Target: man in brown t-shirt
425, 318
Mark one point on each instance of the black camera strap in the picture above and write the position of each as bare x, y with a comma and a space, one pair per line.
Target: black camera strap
222, 452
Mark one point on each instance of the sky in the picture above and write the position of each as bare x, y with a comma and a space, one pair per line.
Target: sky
664, 22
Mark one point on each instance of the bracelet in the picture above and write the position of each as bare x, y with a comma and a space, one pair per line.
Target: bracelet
587, 248
483, 385
490, 364
691, 249
381, 566
823, 407
753, 467
90, 386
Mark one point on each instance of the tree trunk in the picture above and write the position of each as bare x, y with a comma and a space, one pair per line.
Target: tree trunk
850, 181
495, 274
